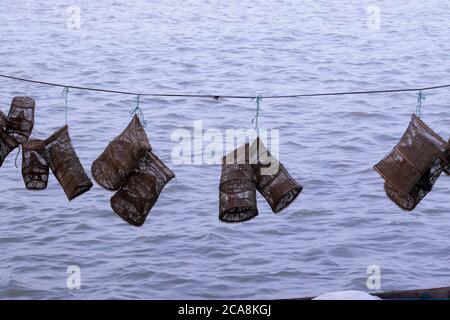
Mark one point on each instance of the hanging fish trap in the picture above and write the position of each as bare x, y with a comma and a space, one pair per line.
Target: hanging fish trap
35, 168
121, 156
272, 179
65, 164
139, 193
21, 118
413, 166
237, 189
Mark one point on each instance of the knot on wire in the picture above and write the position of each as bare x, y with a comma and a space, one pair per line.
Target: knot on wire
138, 111
420, 99
255, 119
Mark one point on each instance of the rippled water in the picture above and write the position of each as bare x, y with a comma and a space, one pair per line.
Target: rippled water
342, 222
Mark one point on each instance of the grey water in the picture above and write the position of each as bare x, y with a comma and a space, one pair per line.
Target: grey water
341, 224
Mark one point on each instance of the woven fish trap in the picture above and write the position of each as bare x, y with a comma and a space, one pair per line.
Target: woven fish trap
121, 156
413, 157
35, 166
65, 164
21, 118
446, 164
3, 121
137, 196
272, 179
425, 184
7, 144
237, 189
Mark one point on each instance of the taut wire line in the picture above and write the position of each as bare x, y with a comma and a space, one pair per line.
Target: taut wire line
216, 96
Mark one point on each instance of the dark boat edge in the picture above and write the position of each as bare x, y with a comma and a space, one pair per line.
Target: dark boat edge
442, 293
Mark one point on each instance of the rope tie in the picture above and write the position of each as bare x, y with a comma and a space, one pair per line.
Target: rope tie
255, 119
65, 95
420, 99
138, 111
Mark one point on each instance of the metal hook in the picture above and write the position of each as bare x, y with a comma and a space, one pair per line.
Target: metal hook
65, 95
17, 156
137, 111
420, 99
256, 117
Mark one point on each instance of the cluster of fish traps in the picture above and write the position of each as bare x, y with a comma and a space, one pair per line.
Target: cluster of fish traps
413, 166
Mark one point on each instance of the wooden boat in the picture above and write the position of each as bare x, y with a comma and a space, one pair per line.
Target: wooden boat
418, 294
